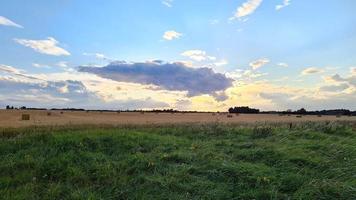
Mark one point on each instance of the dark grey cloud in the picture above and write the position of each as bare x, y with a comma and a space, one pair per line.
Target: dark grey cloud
169, 76
350, 79
220, 96
334, 88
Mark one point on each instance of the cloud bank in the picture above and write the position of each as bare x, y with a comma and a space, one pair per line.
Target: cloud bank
169, 76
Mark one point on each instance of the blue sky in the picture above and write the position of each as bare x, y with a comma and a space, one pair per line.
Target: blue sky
294, 49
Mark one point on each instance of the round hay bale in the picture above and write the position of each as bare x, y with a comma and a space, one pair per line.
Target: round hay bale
25, 117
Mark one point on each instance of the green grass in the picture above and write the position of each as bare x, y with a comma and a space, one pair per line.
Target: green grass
309, 161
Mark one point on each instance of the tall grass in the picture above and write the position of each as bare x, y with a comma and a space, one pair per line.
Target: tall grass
192, 161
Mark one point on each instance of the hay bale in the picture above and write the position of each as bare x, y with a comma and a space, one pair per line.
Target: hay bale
25, 117
49, 114
229, 116
298, 116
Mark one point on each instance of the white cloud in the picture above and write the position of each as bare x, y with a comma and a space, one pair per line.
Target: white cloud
246, 9
63, 64
6, 22
282, 64
47, 46
38, 65
312, 70
98, 56
244, 75
10, 69
259, 63
353, 70
186, 63
284, 4
167, 3
63, 89
170, 35
221, 63
17, 74
198, 55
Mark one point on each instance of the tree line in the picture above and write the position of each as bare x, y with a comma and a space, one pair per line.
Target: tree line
302, 111
237, 109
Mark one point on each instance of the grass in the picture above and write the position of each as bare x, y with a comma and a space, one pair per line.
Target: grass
308, 161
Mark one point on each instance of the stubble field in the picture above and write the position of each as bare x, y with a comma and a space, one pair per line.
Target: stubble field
12, 118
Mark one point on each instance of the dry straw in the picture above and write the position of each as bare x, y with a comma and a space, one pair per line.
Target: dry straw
25, 117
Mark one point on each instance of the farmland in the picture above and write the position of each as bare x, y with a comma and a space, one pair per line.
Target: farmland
12, 118
145, 155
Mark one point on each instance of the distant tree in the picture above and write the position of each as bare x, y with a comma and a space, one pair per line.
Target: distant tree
301, 111
243, 109
231, 110
9, 107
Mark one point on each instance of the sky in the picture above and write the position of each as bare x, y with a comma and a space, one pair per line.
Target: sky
181, 54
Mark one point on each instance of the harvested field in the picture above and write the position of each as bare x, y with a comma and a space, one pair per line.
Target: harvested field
12, 118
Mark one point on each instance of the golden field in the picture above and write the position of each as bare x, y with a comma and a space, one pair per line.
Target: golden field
12, 118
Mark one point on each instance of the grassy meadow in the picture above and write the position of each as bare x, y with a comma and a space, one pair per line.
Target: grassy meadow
192, 161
